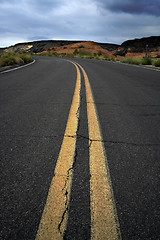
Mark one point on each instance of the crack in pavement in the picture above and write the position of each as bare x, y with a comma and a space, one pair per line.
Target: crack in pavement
69, 173
65, 188
70, 170
113, 142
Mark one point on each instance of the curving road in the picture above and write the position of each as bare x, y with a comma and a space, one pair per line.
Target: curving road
122, 120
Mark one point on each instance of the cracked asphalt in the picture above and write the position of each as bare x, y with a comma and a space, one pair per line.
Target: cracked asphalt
34, 107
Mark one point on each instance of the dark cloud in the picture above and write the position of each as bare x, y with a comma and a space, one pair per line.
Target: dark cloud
134, 6
98, 20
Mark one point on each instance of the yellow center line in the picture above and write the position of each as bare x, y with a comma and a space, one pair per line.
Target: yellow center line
104, 219
54, 219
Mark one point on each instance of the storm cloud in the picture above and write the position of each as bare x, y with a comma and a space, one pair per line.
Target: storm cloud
97, 20
134, 6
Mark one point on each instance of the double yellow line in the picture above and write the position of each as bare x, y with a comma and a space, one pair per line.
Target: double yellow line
104, 220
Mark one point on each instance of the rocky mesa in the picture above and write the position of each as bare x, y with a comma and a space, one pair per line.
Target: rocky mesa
149, 46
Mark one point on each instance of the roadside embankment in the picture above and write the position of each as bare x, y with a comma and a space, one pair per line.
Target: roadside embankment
155, 62
10, 60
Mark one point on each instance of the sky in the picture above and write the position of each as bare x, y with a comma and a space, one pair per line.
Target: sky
108, 21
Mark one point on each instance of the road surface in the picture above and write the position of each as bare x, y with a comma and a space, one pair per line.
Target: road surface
80, 151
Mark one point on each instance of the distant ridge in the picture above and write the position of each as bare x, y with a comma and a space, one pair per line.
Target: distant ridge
129, 48
138, 46
39, 46
43, 45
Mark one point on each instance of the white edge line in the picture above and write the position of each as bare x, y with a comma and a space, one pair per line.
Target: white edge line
13, 69
139, 66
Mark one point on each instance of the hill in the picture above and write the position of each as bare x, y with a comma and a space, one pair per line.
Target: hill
38, 46
83, 48
139, 47
129, 48
44, 45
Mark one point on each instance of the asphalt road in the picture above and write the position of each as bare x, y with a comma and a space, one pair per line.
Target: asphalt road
34, 105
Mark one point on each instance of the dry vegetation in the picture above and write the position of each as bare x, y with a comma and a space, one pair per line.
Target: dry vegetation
99, 56
11, 59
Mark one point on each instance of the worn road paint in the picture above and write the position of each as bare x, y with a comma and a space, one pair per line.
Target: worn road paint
55, 214
104, 219
13, 69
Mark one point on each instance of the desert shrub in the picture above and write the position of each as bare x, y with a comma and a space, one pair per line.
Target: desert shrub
157, 63
110, 59
123, 60
8, 59
62, 55
69, 55
27, 58
135, 61
19, 60
89, 57
81, 46
75, 51
83, 52
146, 61
99, 53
